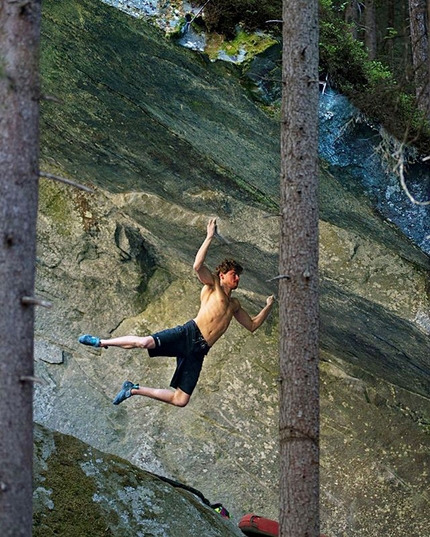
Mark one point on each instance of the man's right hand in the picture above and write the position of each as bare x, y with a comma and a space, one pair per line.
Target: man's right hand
270, 300
203, 273
212, 228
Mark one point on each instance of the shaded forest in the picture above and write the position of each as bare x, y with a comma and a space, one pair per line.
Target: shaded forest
375, 51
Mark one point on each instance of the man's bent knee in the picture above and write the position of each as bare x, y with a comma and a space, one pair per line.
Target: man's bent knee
147, 342
180, 398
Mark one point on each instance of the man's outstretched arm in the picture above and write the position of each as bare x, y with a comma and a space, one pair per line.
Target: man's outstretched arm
202, 271
252, 323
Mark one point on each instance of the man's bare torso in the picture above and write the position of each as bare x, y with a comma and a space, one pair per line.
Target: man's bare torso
216, 312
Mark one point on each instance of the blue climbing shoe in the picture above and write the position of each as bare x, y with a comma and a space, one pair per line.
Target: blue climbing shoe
92, 341
125, 392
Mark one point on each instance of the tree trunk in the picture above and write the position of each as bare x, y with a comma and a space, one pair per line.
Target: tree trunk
352, 17
298, 289
418, 15
391, 24
19, 96
370, 39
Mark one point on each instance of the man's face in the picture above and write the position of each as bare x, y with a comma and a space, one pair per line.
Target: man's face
230, 279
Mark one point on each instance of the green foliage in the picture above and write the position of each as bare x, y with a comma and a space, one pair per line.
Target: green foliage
345, 61
391, 33
341, 57
251, 42
370, 85
326, 4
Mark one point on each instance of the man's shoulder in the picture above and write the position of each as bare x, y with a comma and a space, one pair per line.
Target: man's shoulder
213, 285
235, 303
207, 289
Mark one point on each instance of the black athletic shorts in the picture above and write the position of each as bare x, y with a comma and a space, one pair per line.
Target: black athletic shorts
189, 346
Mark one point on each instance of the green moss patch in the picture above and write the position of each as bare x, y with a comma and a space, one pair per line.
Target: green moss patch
74, 512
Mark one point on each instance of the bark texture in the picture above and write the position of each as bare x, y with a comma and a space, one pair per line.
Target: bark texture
298, 294
418, 15
352, 17
19, 95
370, 38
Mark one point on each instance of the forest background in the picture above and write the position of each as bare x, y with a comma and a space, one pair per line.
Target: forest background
376, 52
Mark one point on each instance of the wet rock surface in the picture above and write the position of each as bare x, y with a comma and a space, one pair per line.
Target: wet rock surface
363, 154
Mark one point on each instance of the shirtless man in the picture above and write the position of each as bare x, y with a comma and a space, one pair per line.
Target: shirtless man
192, 341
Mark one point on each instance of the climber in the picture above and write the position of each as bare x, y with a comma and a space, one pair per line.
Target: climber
190, 342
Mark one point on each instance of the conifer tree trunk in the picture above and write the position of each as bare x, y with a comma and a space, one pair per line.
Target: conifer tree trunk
19, 96
352, 17
370, 39
388, 42
419, 28
298, 289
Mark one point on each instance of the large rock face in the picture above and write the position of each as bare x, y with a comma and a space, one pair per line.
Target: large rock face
167, 140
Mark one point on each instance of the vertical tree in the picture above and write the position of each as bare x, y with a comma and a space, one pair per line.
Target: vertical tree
370, 39
391, 24
298, 290
352, 17
419, 28
19, 96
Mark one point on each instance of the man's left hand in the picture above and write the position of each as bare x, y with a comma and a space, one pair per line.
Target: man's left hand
270, 300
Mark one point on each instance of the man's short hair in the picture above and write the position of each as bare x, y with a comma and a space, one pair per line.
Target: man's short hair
229, 264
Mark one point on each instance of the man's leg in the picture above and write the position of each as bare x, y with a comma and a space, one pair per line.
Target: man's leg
124, 342
173, 397
129, 342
